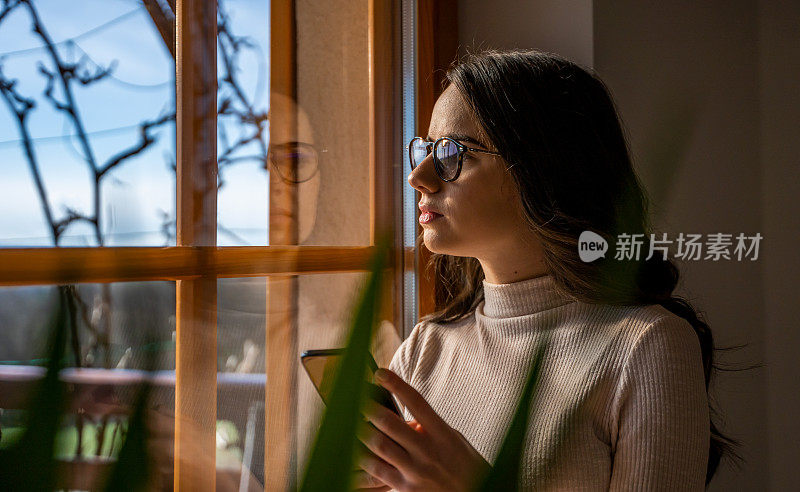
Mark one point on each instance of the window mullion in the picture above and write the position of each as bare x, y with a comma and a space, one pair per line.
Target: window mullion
281, 338
196, 300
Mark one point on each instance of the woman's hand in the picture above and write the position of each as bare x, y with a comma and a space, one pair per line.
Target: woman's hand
422, 454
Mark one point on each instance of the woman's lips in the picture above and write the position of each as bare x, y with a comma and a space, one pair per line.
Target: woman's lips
428, 217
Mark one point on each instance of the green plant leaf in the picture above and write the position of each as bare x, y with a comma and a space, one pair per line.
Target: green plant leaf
67, 441
332, 457
28, 465
133, 469
504, 474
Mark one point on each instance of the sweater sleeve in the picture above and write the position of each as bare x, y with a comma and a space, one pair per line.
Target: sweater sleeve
404, 361
662, 412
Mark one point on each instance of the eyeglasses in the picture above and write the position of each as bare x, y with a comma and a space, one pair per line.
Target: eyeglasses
448, 155
295, 162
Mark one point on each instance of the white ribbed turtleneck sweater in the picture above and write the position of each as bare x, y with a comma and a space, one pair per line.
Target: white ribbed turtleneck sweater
634, 374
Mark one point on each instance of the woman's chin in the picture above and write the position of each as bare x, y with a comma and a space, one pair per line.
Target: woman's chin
431, 241
436, 243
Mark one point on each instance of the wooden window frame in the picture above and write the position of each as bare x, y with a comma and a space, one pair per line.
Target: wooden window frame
437, 48
196, 263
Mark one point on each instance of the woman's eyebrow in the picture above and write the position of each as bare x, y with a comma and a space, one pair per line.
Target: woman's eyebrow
461, 138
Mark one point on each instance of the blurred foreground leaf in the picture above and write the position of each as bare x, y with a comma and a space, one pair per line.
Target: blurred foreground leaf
133, 469
504, 474
333, 454
29, 464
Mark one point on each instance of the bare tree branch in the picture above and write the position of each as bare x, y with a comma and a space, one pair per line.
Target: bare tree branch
145, 140
8, 7
86, 76
64, 74
71, 217
48, 90
237, 104
164, 20
62, 69
20, 106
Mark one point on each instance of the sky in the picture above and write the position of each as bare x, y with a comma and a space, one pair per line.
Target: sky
137, 194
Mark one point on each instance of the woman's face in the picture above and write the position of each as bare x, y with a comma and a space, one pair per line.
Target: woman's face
289, 122
482, 215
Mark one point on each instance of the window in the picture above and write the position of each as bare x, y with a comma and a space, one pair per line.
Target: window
194, 249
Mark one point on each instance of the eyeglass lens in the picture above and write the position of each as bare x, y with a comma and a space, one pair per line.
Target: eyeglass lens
445, 156
294, 162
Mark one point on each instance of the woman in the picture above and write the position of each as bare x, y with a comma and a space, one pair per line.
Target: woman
534, 156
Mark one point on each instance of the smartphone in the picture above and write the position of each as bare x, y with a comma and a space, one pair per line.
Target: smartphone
320, 365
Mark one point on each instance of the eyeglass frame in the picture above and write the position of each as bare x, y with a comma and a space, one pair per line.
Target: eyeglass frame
308, 146
437, 163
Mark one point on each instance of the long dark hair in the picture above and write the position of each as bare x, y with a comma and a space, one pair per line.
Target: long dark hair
557, 127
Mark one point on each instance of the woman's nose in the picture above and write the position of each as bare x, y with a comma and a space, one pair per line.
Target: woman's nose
423, 178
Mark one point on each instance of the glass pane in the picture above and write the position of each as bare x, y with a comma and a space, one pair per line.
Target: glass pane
333, 94
319, 316
119, 325
97, 121
120, 330
318, 123
325, 310
241, 315
242, 128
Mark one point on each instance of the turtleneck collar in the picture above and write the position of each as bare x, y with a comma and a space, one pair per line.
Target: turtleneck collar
522, 298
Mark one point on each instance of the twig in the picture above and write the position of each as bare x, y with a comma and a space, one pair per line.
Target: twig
239, 106
145, 140
8, 7
20, 106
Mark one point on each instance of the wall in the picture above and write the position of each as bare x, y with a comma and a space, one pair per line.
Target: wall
703, 58
779, 95
560, 26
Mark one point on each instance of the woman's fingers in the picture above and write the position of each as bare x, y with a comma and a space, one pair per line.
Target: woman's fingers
415, 403
389, 423
383, 447
380, 469
364, 481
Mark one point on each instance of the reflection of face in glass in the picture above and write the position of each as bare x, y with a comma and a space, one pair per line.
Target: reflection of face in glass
295, 162
293, 166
